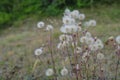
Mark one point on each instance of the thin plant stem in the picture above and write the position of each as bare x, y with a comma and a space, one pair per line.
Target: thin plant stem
35, 64
51, 54
116, 71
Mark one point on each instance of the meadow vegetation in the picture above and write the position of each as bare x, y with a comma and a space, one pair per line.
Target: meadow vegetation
18, 43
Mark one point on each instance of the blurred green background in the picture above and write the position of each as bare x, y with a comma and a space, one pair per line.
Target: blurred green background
17, 10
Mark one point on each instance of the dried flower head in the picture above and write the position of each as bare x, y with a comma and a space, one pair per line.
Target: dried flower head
38, 51
118, 39
81, 16
40, 24
49, 28
92, 23
49, 72
64, 71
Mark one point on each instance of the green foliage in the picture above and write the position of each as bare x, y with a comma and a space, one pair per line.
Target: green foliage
13, 10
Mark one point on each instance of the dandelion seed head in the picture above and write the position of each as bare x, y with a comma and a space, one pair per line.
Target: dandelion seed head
40, 24
118, 39
38, 51
92, 23
49, 28
49, 72
81, 16
64, 71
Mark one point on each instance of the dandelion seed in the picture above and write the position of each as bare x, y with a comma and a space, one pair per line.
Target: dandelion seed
89, 40
38, 51
67, 12
92, 23
81, 16
88, 34
83, 39
93, 47
49, 28
40, 24
75, 14
49, 72
69, 29
100, 46
68, 20
64, 71
118, 39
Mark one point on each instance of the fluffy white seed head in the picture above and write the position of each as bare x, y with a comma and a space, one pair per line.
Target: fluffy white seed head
68, 20
67, 12
92, 23
49, 72
69, 29
100, 46
88, 34
64, 37
89, 40
93, 47
40, 24
83, 39
49, 28
75, 14
118, 39
38, 51
64, 71
81, 16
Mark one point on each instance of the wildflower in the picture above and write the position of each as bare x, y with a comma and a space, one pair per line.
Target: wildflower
100, 56
49, 72
38, 51
81, 16
92, 23
64, 71
118, 39
40, 24
49, 28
